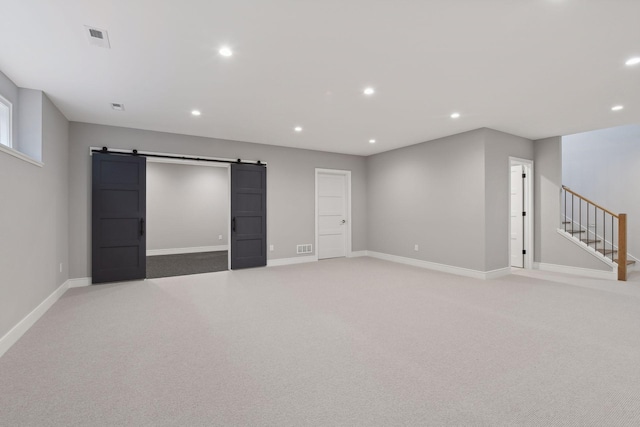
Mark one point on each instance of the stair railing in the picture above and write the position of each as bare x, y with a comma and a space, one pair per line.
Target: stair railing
587, 219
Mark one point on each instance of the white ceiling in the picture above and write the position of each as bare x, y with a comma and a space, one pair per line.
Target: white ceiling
535, 68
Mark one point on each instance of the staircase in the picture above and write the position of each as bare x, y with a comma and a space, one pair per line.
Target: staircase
596, 229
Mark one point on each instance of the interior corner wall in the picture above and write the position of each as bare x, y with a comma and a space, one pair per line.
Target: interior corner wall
290, 184
499, 146
550, 247
430, 194
187, 206
34, 218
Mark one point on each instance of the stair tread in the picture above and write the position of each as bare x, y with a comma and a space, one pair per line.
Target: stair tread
606, 251
588, 241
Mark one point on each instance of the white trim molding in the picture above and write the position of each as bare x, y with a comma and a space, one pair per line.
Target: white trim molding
10, 143
460, 271
528, 207
175, 251
11, 337
290, 261
577, 271
356, 254
494, 274
15, 153
80, 282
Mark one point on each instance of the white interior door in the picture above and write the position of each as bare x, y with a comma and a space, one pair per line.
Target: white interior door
332, 215
517, 219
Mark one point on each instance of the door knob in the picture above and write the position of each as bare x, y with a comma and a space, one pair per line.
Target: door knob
343, 221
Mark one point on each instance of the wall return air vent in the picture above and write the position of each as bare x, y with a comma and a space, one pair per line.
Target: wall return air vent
304, 249
97, 37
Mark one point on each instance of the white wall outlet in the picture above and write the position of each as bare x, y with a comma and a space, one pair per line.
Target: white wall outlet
416, 247
60, 267
219, 236
270, 248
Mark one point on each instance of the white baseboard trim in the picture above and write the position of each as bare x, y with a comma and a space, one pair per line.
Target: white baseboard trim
577, 271
289, 261
460, 271
494, 274
11, 337
174, 251
79, 282
356, 254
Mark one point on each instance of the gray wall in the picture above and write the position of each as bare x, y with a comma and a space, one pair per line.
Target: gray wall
431, 194
550, 247
604, 166
29, 140
187, 206
499, 146
450, 196
290, 184
34, 221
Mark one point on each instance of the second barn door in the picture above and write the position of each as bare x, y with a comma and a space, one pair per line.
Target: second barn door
248, 216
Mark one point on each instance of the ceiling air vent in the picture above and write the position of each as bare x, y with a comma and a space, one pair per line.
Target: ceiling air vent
95, 34
117, 107
97, 37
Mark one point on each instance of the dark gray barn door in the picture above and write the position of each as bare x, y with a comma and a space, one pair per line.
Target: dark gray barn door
118, 218
248, 216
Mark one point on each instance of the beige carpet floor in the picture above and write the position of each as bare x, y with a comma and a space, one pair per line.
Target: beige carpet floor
345, 342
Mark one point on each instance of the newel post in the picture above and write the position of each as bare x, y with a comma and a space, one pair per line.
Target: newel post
622, 247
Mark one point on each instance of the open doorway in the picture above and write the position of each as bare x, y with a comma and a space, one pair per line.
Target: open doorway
187, 218
521, 213
119, 214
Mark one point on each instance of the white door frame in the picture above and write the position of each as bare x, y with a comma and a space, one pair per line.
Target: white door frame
347, 174
528, 208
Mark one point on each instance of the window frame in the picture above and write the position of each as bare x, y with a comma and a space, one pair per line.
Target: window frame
12, 149
8, 104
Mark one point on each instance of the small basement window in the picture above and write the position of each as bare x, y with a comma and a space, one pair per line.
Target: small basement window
6, 110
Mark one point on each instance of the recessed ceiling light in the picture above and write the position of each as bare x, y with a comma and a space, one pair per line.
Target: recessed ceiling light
298, 129
617, 108
455, 115
372, 141
633, 61
225, 51
369, 91
196, 113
